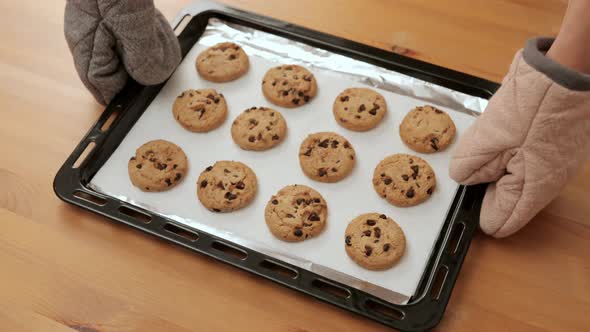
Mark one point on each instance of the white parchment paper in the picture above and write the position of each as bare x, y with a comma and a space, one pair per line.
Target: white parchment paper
279, 167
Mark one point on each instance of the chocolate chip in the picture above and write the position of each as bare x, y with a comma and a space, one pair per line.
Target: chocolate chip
386, 247
203, 183
240, 185
297, 232
161, 166
429, 191
357, 116
334, 169
308, 152
275, 137
346, 145
371, 222
415, 169
437, 111
387, 181
177, 177
325, 143
344, 98
274, 83
181, 95
274, 202
208, 169
259, 137
377, 232
383, 216
168, 182
306, 98
232, 56
251, 139
211, 96
351, 157
322, 172
313, 217
362, 108
138, 166
367, 232
335, 144
410, 193
290, 215
272, 113
411, 161
216, 210
309, 201
300, 93
300, 201
373, 112
405, 177
307, 78
368, 250
225, 171
191, 94
220, 185
229, 196
296, 101
253, 122
132, 158
434, 143
285, 93
343, 120
152, 159
316, 200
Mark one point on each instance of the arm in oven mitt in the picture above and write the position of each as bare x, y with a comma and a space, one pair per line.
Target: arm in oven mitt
113, 39
533, 135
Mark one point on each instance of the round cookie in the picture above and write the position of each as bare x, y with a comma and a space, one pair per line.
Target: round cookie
359, 109
374, 241
259, 128
427, 129
200, 110
223, 62
289, 86
326, 157
404, 180
296, 213
157, 166
226, 186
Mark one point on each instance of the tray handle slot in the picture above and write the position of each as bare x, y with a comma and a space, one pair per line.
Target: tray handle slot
229, 250
439, 282
182, 232
455, 238
85, 153
135, 214
279, 269
89, 197
179, 28
106, 125
330, 288
384, 310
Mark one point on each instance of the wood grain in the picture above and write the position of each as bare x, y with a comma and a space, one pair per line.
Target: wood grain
64, 269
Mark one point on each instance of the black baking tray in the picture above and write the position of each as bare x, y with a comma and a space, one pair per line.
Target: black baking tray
424, 310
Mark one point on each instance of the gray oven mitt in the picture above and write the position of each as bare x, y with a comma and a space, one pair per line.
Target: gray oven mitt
111, 39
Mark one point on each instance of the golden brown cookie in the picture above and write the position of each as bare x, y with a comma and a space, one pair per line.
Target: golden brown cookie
226, 186
259, 128
289, 86
427, 129
223, 62
200, 110
359, 109
404, 180
157, 166
296, 213
326, 157
374, 241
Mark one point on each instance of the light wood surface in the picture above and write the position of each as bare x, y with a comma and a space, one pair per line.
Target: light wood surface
64, 269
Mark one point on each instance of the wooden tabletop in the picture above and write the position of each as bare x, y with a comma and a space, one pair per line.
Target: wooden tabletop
64, 269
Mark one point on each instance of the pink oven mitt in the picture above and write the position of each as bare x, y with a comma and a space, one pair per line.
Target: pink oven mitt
532, 137
114, 39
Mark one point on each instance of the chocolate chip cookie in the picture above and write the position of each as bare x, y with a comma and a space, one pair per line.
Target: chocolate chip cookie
359, 109
259, 128
404, 180
326, 157
289, 86
374, 241
157, 166
427, 129
200, 110
296, 213
226, 186
223, 62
